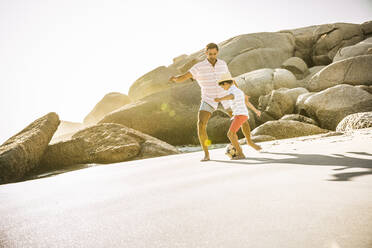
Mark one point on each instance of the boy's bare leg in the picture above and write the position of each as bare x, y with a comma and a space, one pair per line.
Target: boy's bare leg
233, 137
203, 118
247, 133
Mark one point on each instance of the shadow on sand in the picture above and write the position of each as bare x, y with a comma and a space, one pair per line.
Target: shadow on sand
317, 160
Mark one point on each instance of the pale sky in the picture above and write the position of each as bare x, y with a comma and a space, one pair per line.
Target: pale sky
64, 56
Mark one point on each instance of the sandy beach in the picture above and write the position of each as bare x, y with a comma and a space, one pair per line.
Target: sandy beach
300, 192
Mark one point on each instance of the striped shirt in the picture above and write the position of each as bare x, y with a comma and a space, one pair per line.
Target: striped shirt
207, 75
238, 103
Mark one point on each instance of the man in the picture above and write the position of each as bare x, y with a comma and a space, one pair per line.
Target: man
207, 73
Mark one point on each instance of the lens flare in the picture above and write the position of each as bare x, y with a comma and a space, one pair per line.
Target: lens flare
208, 142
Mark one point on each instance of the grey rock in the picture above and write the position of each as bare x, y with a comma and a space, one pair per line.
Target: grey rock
22, 152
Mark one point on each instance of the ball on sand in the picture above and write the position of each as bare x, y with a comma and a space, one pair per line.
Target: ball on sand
231, 151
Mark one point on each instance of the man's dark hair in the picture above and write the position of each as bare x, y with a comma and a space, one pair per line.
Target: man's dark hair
212, 46
225, 82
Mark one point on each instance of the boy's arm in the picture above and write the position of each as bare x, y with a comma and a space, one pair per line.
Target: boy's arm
228, 97
180, 78
250, 105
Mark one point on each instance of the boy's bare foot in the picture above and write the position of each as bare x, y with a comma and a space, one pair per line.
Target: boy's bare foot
258, 148
241, 156
206, 158
238, 157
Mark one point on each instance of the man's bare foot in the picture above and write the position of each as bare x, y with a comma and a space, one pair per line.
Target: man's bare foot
206, 158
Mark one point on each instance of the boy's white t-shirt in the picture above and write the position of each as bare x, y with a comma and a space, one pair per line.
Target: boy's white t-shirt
238, 103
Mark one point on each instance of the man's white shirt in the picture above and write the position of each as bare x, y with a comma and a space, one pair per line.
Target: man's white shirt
207, 76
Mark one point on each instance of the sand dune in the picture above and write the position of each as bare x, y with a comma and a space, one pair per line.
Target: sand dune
302, 192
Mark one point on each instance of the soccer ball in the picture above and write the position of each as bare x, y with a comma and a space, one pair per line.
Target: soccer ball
231, 151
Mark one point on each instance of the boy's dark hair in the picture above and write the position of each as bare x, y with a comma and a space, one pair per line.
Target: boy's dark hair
225, 82
211, 46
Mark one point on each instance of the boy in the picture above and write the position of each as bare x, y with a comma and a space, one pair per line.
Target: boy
240, 111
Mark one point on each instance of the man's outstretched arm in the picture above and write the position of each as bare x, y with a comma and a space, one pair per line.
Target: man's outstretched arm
180, 78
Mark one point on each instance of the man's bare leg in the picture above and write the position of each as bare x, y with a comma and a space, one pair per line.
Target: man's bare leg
203, 118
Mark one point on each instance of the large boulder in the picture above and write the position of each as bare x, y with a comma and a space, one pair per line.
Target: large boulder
103, 144
367, 27
297, 66
355, 121
152, 82
300, 118
282, 129
330, 106
360, 48
353, 71
317, 45
170, 115
300, 103
22, 152
261, 82
179, 58
250, 52
217, 129
242, 53
280, 102
366, 88
65, 130
219, 124
329, 38
312, 71
260, 138
304, 42
108, 103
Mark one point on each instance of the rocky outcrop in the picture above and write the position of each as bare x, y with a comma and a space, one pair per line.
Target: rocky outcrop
261, 82
23, 152
330, 106
169, 115
280, 102
332, 37
107, 104
366, 88
366, 28
261, 138
103, 144
283, 129
300, 118
250, 52
355, 121
358, 49
312, 71
318, 45
65, 131
353, 71
300, 103
315, 45
297, 66
152, 82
